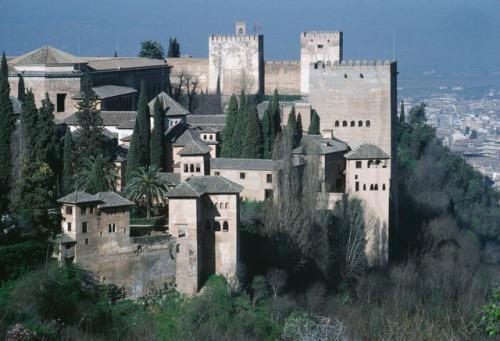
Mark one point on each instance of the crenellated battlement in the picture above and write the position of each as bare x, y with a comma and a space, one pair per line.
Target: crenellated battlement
234, 37
351, 66
322, 34
290, 62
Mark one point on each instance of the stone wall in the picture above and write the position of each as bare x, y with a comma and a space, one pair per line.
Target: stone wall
284, 76
239, 61
254, 182
356, 101
191, 67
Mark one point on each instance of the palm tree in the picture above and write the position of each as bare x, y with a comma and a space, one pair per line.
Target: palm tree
98, 174
147, 185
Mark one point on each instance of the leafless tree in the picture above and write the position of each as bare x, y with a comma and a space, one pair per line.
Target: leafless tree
183, 82
235, 279
276, 278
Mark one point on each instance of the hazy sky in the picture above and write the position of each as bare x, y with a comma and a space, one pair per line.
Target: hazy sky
441, 35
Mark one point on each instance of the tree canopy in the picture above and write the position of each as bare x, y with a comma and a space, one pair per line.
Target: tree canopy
152, 49
174, 49
157, 135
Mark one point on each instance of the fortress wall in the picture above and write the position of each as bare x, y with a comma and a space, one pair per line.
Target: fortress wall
196, 67
356, 92
318, 46
239, 60
284, 76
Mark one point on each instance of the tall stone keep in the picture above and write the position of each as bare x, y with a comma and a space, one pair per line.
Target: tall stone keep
237, 61
318, 47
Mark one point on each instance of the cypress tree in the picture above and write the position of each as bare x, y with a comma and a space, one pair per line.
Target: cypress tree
217, 92
300, 129
6, 130
29, 120
156, 144
97, 180
267, 134
69, 162
402, 114
144, 127
276, 114
133, 156
240, 128
90, 133
252, 143
314, 125
47, 146
229, 128
292, 126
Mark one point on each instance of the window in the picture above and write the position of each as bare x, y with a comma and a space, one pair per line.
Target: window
84, 227
367, 123
269, 178
91, 209
320, 46
358, 164
268, 193
383, 187
217, 226
124, 231
225, 227
370, 163
83, 210
69, 227
242, 175
344, 123
86, 241
371, 187
227, 205
198, 168
192, 168
376, 187
186, 169
217, 173
364, 187
356, 177
221, 205
69, 210
360, 123
100, 233
182, 231
337, 123
211, 137
112, 228
60, 102
357, 186
353, 124
204, 137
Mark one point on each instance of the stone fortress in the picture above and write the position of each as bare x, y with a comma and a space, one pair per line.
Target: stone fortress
356, 103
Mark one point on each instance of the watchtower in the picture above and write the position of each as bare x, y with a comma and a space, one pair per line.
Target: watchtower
241, 28
318, 47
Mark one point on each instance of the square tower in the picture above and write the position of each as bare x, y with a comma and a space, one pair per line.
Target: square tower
318, 47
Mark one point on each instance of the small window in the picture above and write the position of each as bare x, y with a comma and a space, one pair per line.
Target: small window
186, 168
225, 227
360, 123
367, 123
356, 177
182, 231
371, 187
320, 46
227, 205
86, 241
337, 123
364, 187
268, 193
192, 168
100, 233
369, 163
204, 137
376, 187
353, 124
383, 187
242, 175
217, 226
84, 227
69, 210
344, 123
198, 168
61, 98
211, 137
217, 173
112, 228
83, 210
357, 186
269, 178
124, 231
358, 164
69, 227
91, 209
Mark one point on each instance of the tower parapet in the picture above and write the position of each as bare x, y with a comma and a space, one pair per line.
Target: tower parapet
318, 46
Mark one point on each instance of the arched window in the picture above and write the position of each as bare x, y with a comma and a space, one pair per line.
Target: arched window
370, 163
186, 168
204, 137
216, 226
240, 31
360, 123
367, 123
192, 168
371, 187
221, 205
337, 123
376, 187
225, 227
353, 124
344, 123
364, 187
211, 137
227, 205
197, 168
383, 187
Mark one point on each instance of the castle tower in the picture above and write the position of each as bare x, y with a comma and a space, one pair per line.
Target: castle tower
195, 159
318, 47
237, 61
